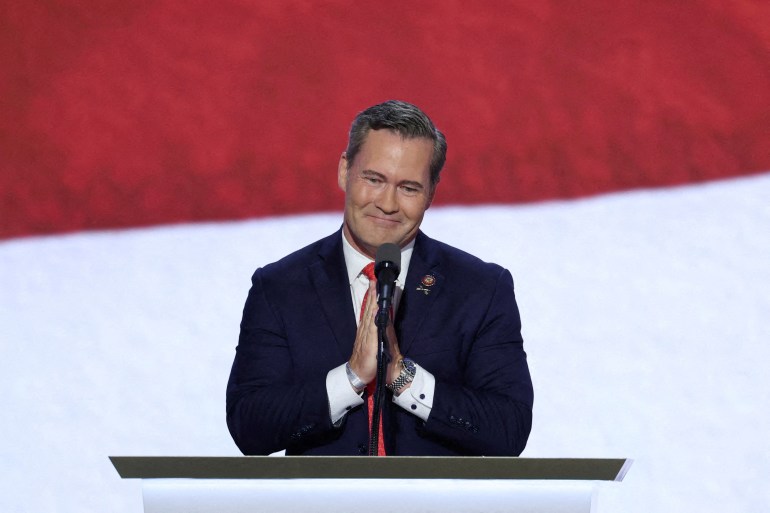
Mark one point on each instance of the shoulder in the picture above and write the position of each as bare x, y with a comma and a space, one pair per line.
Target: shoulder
296, 263
458, 262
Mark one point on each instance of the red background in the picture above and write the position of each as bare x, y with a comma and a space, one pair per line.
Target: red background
117, 114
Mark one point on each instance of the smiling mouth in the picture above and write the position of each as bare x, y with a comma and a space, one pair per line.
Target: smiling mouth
383, 220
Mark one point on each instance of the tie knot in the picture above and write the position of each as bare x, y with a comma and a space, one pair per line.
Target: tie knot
368, 271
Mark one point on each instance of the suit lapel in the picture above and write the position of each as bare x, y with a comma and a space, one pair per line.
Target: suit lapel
422, 286
330, 281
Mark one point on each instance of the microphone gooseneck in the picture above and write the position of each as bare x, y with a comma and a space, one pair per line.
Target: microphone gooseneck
387, 266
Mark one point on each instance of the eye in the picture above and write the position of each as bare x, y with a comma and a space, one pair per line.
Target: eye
410, 190
371, 179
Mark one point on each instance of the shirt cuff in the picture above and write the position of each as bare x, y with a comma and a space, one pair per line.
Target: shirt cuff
418, 398
342, 397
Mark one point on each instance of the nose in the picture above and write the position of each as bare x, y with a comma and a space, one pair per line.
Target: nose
387, 201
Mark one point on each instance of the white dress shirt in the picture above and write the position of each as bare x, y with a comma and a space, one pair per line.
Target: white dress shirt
418, 398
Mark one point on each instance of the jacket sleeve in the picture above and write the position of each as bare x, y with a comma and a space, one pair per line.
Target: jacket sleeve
267, 409
486, 409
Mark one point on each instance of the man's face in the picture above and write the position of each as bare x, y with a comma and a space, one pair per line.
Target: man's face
387, 190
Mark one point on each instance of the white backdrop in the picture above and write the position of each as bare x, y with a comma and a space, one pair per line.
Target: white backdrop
646, 319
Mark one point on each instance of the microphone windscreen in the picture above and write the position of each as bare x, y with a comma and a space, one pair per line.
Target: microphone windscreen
388, 252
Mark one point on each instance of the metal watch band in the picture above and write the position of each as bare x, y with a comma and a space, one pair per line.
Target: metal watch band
408, 371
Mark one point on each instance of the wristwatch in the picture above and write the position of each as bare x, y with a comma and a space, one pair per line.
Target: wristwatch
408, 370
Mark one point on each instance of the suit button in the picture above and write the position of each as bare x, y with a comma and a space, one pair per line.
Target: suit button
422, 396
362, 449
414, 406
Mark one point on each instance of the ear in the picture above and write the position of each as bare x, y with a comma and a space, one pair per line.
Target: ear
342, 172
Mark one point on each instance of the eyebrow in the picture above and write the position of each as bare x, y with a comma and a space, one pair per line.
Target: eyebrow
411, 183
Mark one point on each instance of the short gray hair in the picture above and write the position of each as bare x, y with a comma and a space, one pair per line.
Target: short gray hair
406, 120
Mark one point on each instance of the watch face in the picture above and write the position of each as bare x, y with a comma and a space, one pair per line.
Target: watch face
409, 366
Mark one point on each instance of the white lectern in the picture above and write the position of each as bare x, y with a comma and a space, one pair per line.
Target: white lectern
362, 484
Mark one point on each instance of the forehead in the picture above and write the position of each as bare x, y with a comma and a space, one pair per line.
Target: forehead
387, 151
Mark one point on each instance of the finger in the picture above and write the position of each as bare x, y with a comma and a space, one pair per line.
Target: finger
371, 301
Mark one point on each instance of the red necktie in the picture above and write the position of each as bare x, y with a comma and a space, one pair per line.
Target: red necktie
368, 271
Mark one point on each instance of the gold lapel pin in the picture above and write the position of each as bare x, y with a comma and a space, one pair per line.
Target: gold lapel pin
427, 281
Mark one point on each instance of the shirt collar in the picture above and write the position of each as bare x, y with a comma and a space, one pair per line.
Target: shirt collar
356, 261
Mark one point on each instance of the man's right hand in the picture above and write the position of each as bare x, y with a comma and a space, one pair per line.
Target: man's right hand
363, 361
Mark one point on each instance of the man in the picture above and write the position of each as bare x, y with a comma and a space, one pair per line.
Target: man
458, 378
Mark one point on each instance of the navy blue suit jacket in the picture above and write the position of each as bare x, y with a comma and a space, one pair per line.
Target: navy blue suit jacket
298, 323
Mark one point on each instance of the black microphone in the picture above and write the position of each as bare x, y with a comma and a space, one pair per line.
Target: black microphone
386, 268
